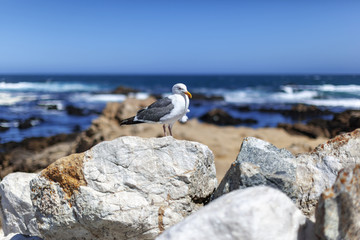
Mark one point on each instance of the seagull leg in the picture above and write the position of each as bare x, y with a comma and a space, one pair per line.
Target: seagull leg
170, 126
164, 127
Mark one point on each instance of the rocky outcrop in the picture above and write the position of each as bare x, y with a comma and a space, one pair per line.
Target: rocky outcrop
34, 154
107, 126
128, 188
16, 208
299, 111
338, 212
342, 122
303, 177
124, 90
251, 214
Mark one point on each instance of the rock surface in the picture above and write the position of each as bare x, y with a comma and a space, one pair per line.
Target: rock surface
346, 121
128, 188
220, 117
338, 212
303, 178
16, 208
251, 214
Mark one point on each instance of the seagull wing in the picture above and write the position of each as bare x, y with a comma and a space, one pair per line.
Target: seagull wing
155, 111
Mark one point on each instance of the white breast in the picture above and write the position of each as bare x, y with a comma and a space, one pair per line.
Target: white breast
181, 104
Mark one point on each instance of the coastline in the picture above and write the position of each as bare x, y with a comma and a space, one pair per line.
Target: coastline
224, 141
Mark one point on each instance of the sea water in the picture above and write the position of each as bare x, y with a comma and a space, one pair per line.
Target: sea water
45, 97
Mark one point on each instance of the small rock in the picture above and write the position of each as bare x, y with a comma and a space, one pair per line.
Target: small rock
252, 214
338, 212
203, 97
72, 110
124, 90
30, 122
222, 118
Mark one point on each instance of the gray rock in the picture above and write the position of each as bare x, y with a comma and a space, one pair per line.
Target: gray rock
260, 163
253, 213
18, 214
128, 188
303, 177
338, 212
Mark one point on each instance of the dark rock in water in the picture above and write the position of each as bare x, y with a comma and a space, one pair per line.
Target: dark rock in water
243, 108
52, 107
72, 110
30, 122
299, 111
222, 118
3, 128
76, 111
124, 90
346, 121
200, 96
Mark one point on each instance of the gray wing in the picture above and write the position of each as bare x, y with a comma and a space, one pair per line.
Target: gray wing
155, 111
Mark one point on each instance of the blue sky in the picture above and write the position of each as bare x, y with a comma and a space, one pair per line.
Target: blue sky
182, 37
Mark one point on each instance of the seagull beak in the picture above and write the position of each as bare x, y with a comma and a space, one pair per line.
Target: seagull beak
188, 93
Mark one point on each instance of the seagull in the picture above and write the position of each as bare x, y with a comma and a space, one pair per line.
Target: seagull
166, 110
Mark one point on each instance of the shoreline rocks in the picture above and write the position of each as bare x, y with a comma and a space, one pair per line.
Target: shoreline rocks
135, 188
346, 121
303, 177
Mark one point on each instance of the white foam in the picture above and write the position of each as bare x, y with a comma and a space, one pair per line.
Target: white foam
288, 96
351, 88
7, 99
47, 86
340, 88
87, 97
351, 103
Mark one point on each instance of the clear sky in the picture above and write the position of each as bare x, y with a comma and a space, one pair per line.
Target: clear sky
179, 37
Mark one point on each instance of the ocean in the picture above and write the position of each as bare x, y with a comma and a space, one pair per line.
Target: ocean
41, 105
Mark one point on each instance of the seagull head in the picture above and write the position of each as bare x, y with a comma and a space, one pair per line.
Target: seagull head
180, 88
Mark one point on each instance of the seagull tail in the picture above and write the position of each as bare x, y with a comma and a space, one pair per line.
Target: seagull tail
129, 121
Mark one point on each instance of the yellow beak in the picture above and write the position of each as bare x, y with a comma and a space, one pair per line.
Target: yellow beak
188, 93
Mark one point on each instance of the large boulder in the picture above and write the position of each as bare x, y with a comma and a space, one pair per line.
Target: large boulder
303, 177
16, 208
338, 212
128, 188
253, 213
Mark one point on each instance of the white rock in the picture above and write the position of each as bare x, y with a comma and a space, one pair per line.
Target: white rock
252, 214
128, 188
18, 214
